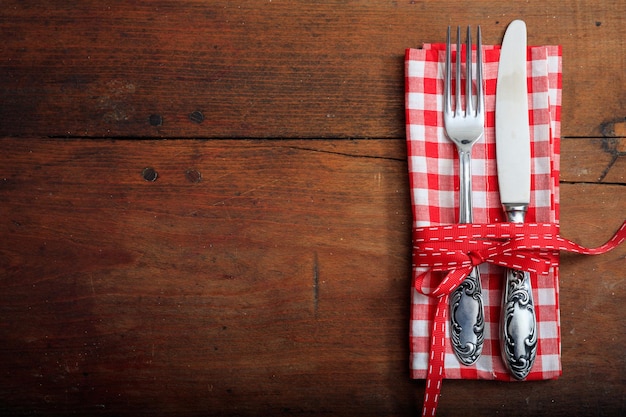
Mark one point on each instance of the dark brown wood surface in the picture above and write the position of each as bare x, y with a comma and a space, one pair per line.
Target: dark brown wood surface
257, 262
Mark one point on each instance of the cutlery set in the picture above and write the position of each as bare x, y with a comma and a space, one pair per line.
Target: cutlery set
464, 126
505, 102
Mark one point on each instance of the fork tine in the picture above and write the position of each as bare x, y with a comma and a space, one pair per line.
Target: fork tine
479, 74
469, 108
457, 75
446, 86
472, 108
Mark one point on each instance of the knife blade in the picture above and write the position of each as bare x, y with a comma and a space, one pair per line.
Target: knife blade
518, 324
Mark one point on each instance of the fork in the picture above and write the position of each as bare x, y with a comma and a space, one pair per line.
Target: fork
465, 127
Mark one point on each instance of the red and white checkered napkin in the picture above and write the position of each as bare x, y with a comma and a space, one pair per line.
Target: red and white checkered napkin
434, 168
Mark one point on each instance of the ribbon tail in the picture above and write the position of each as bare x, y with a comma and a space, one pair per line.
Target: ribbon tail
436, 360
612, 243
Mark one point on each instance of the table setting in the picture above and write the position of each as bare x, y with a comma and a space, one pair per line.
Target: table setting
490, 163
312, 208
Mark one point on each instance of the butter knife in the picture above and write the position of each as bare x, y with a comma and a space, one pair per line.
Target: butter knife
518, 324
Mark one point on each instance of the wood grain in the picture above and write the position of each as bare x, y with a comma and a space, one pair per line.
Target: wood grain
270, 69
277, 284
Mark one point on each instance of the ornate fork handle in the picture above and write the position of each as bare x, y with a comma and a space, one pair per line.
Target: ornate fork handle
467, 324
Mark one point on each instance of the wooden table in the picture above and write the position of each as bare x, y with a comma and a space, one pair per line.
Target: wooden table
205, 207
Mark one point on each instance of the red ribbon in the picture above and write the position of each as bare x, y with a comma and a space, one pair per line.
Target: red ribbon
458, 248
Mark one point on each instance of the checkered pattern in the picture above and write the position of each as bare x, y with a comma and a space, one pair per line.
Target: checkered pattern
433, 170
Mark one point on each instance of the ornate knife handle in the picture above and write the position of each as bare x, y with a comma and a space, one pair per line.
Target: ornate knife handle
467, 323
518, 323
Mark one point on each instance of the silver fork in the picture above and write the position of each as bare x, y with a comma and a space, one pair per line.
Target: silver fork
465, 128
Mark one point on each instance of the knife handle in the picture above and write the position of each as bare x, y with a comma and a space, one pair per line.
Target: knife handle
518, 324
467, 322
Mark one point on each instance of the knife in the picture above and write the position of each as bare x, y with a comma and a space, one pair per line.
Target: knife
518, 324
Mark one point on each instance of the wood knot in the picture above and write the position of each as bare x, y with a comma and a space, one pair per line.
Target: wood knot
614, 128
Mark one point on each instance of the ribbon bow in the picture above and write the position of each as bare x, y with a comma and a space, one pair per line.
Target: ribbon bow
458, 248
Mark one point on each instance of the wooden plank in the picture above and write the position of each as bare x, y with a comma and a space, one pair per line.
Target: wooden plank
253, 277
593, 160
258, 69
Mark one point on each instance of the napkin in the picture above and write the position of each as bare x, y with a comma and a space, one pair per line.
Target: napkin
434, 182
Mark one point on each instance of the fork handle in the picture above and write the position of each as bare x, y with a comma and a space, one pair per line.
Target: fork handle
467, 322
465, 186
518, 323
